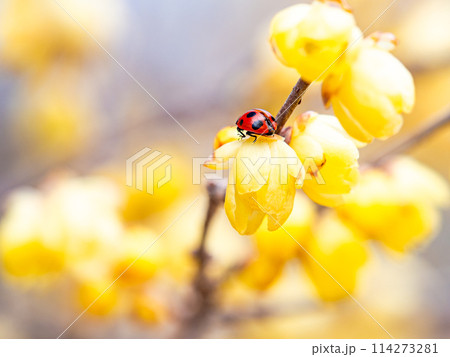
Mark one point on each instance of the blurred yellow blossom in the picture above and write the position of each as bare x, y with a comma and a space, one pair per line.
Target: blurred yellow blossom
280, 245
137, 262
329, 156
106, 298
261, 273
149, 309
370, 89
139, 205
397, 206
55, 115
85, 215
311, 37
340, 250
29, 246
263, 178
34, 42
70, 222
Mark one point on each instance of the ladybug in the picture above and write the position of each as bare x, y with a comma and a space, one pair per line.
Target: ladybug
256, 122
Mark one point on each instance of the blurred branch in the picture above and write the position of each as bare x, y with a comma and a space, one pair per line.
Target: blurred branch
202, 285
267, 311
411, 140
294, 99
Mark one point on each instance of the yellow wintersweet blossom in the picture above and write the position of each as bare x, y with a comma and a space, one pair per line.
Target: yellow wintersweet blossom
263, 178
398, 206
311, 37
31, 42
89, 291
329, 157
28, 244
85, 215
138, 205
72, 223
370, 90
55, 115
149, 309
279, 245
136, 243
339, 251
261, 273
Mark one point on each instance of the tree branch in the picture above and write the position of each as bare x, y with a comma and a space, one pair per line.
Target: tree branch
294, 99
202, 285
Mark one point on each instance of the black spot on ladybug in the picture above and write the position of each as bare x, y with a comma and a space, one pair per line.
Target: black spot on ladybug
251, 114
241, 121
257, 124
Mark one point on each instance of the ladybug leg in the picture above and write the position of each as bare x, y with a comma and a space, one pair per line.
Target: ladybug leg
252, 135
241, 133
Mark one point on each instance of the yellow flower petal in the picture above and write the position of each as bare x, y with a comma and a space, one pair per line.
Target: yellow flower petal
370, 92
310, 38
222, 156
329, 157
252, 165
225, 136
241, 212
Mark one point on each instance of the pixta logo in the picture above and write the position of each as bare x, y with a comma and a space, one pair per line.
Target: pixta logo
146, 166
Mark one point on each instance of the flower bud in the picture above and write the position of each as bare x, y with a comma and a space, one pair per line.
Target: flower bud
310, 38
397, 207
370, 90
329, 157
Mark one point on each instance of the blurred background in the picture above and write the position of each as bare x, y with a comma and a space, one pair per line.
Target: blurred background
74, 108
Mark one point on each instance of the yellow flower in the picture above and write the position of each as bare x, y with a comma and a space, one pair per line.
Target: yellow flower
310, 38
90, 290
55, 115
29, 247
84, 212
279, 245
370, 90
329, 157
74, 222
139, 205
225, 136
261, 273
35, 42
263, 177
138, 271
149, 309
340, 251
397, 207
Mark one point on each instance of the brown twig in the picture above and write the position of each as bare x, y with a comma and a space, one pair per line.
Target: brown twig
294, 99
202, 285
263, 311
413, 139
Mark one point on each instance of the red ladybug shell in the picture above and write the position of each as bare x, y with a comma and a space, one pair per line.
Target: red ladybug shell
257, 121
